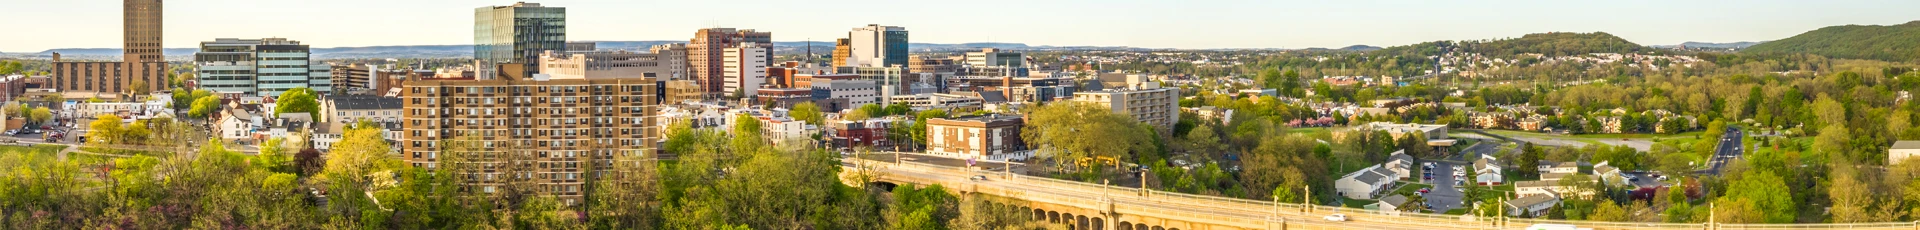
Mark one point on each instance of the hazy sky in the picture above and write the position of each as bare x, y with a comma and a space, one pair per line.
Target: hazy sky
40, 25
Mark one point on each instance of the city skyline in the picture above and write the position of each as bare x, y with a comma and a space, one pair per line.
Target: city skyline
1226, 24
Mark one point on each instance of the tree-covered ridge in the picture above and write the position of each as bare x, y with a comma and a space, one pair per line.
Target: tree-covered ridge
1549, 44
1887, 43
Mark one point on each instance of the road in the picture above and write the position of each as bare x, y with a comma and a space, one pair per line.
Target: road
1728, 150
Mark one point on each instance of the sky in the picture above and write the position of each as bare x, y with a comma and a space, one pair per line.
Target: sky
1187, 24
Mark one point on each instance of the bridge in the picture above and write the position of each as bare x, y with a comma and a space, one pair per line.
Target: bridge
1082, 205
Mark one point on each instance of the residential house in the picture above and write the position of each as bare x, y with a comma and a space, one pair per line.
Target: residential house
1364, 184
1389, 204
1401, 164
1531, 205
1901, 150
1487, 171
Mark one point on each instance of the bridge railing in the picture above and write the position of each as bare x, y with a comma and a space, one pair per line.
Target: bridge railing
1228, 209
1905, 225
1523, 222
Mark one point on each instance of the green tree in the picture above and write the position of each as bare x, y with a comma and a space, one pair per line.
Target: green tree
298, 100
1765, 192
1607, 211
807, 111
40, 115
1059, 131
204, 107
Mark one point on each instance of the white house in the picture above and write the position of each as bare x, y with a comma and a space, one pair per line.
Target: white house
1401, 164
1364, 184
1901, 150
1390, 204
1547, 167
1526, 188
1487, 171
1532, 206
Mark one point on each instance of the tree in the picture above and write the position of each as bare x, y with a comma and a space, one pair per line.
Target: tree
204, 107
1607, 211
274, 156
1059, 131
1764, 192
1202, 140
105, 130
1828, 112
40, 115
807, 111
1284, 163
298, 100
1530, 157
139, 87
919, 128
855, 115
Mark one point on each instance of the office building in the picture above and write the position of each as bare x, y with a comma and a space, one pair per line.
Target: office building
1148, 103
362, 79
991, 137
877, 46
996, 57
842, 48
1014, 89
836, 94
705, 52
600, 64
582, 46
516, 34
674, 56
141, 59
745, 68
563, 132
260, 67
929, 64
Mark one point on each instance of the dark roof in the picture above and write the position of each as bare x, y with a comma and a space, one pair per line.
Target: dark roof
992, 96
365, 102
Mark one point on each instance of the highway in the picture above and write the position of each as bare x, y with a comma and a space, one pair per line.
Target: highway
1728, 150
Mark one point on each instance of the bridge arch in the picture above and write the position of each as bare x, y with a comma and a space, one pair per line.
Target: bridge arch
882, 185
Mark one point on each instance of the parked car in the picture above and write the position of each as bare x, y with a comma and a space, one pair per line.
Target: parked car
978, 178
1336, 218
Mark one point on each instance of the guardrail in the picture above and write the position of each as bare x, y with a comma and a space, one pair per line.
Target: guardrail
1218, 209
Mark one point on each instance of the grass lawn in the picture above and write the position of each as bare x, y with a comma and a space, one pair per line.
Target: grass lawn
1322, 133
49, 151
1358, 203
1457, 211
1410, 188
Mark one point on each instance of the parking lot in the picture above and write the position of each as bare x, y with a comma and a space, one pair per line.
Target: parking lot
1444, 196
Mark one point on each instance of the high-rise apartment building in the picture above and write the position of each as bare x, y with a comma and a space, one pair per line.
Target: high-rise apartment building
516, 34
877, 46
705, 51
745, 68
141, 59
556, 135
1147, 102
675, 57
260, 67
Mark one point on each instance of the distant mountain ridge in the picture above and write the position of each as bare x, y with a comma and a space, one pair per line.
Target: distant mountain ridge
1887, 43
1711, 45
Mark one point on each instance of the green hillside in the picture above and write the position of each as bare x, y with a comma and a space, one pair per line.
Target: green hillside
1550, 44
1887, 43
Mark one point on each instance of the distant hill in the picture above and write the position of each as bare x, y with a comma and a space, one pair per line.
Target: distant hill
1550, 44
1361, 48
1888, 43
1555, 44
1710, 45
